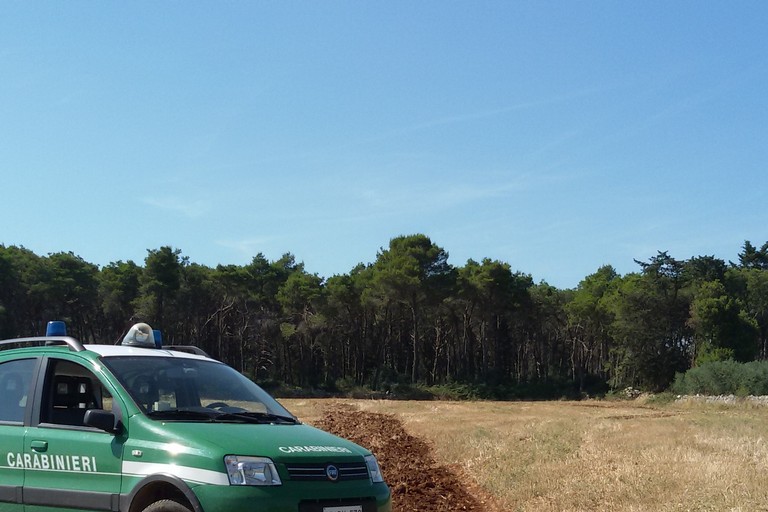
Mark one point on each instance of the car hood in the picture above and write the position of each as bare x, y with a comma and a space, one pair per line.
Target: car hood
280, 442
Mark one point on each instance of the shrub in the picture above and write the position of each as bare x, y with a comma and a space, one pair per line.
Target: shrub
723, 378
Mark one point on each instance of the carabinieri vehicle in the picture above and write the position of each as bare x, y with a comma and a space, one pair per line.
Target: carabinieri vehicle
135, 428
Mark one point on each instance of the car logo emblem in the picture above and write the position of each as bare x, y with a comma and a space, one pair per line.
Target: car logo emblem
332, 472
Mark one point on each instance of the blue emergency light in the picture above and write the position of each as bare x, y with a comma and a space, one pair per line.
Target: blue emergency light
56, 328
158, 338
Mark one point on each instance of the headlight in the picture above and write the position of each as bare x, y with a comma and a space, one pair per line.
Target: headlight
373, 469
251, 470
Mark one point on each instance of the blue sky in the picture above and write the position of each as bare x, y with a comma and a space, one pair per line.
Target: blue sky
555, 136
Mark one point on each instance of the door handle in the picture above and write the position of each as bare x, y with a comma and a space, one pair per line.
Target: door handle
39, 446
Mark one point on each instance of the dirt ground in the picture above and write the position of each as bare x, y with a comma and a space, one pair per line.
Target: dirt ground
418, 483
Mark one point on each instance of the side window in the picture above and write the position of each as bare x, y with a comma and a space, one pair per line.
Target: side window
15, 377
72, 389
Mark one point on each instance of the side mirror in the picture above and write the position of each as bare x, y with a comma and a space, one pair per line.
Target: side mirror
103, 420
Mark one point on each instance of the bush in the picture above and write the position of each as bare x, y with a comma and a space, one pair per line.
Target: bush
454, 391
723, 378
410, 392
661, 398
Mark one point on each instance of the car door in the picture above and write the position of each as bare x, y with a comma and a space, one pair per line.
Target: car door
15, 389
67, 464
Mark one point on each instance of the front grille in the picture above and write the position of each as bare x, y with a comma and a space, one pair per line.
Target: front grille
312, 472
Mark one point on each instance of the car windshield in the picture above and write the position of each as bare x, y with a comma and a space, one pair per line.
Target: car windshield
186, 389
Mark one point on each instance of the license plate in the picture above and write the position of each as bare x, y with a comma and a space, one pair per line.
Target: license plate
352, 508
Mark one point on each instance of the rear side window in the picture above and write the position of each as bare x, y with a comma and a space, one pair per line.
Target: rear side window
15, 377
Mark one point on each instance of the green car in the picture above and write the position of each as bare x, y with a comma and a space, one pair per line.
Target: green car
132, 428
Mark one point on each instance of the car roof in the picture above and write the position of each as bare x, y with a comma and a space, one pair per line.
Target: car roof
27, 345
122, 350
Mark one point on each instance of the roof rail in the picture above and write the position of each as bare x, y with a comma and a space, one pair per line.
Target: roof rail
188, 349
73, 344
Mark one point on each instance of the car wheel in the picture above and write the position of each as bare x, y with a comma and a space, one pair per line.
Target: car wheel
167, 506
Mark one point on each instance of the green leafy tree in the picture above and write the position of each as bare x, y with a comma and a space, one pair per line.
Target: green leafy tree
230, 316
413, 272
265, 279
244, 318
751, 257
23, 300
118, 285
589, 324
496, 293
300, 297
196, 300
159, 285
354, 350
67, 289
11, 293
750, 286
548, 333
653, 338
721, 329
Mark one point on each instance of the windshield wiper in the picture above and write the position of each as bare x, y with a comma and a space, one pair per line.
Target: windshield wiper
183, 415
215, 416
259, 417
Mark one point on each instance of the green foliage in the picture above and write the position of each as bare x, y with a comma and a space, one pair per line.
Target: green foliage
411, 324
664, 398
590, 315
159, 282
118, 290
721, 329
649, 328
412, 273
751, 257
724, 378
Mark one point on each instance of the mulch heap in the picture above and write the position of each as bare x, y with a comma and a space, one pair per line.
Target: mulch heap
417, 482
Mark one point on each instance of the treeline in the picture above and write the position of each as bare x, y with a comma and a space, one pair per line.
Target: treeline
410, 316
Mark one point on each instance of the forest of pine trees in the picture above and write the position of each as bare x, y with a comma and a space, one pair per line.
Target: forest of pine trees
409, 317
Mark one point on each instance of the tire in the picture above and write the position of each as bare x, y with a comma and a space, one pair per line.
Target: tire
167, 506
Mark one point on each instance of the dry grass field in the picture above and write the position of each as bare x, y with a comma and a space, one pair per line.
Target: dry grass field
591, 455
